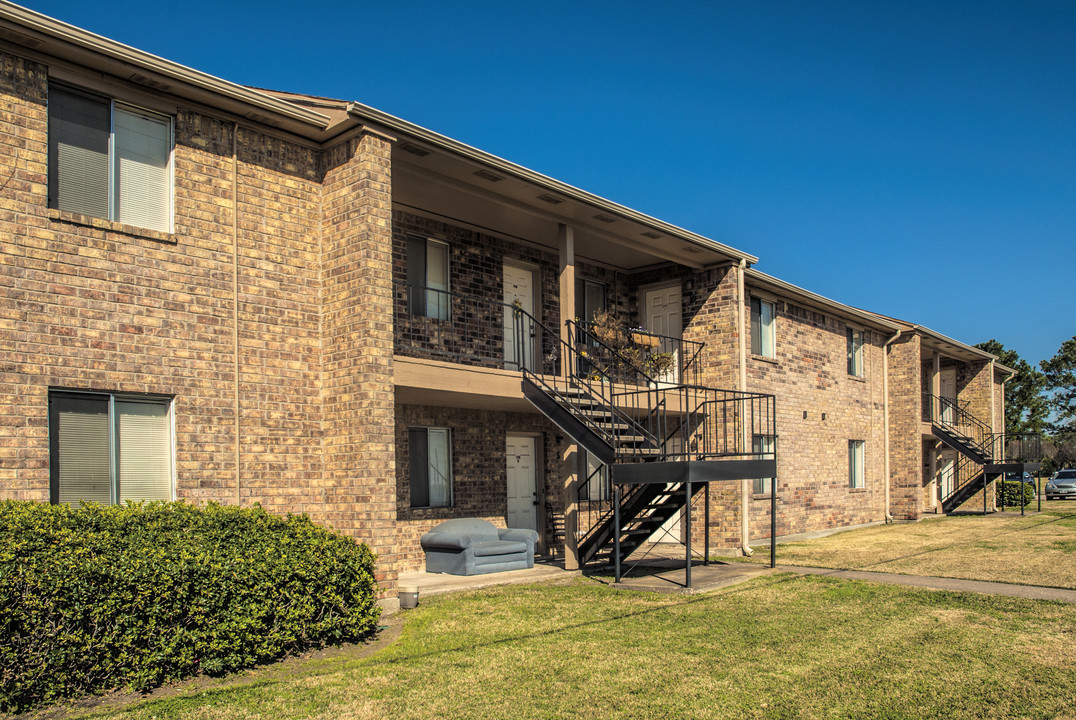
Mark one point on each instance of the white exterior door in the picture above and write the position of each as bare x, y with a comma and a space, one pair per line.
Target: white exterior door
522, 482
947, 390
946, 472
518, 289
664, 316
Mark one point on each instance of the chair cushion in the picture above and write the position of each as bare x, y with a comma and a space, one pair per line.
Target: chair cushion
498, 547
476, 529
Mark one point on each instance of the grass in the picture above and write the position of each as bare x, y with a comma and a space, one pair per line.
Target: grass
1036, 549
781, 646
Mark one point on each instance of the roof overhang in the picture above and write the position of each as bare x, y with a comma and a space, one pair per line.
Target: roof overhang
754, 278
41, 34
453, 164
949, 347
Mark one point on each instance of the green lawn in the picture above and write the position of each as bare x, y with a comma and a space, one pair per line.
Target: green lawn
778, 646
1035, 549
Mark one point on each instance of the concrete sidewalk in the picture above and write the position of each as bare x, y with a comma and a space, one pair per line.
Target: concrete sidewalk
1032, 592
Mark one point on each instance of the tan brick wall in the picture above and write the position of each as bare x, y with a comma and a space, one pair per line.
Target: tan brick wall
820, 407
359, 480
905, 427
260, 242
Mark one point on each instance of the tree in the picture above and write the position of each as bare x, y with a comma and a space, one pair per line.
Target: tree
1060, 374
1026, 409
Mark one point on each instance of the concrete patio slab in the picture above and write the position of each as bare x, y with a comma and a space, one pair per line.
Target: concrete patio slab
430, 584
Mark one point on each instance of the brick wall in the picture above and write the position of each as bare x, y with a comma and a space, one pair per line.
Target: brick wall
359, 484
905, 434
478, 469
474, 333
89, 304
820, 407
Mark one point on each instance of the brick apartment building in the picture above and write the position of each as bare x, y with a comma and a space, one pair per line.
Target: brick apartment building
216, 293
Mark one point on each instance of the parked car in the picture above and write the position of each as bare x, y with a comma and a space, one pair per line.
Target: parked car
1025, 477
1062, 485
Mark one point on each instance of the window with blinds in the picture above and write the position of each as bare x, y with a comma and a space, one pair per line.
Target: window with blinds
430, 466
109, 449
108, 160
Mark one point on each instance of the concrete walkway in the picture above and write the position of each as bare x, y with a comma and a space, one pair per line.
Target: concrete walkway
1032, 592
667, 575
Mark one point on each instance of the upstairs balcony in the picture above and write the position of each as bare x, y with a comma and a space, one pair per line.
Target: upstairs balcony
468, 350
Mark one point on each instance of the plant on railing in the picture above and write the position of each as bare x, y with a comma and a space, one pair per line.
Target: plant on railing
633, 350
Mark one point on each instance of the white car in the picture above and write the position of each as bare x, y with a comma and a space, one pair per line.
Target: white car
1062, 485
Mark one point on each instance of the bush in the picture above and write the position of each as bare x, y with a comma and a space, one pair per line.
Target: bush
131, 597
1015, 493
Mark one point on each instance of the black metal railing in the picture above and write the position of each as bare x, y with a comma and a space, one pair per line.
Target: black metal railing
955, 418
1023, 447
634, 354
469, 330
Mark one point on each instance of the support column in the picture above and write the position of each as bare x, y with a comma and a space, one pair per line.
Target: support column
570, 457
935, 386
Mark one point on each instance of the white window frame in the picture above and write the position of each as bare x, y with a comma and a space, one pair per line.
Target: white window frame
115, 450
426, 299
767, 331
763, 446
115, 183
856, 339
422, 475
856, 462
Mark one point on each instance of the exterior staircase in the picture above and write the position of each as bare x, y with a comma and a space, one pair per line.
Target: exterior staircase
660, 442
983, 454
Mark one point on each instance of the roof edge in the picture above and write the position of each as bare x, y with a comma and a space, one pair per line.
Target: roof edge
365, 112
45, 25
848, 310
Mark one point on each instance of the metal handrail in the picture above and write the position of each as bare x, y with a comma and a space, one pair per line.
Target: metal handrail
686, 369
947, 413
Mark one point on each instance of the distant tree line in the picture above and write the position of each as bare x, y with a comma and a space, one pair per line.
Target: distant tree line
1042, 401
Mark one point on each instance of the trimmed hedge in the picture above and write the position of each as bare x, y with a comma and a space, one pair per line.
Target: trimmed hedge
1016, 493
132, 597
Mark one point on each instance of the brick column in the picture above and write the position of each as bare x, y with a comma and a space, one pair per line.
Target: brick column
359, 482
905, 423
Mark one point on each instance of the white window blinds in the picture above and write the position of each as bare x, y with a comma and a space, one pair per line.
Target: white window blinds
145, 457
82, 464
141, 170
78, 153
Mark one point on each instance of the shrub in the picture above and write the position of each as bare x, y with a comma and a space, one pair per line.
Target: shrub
1015, 493
131, 597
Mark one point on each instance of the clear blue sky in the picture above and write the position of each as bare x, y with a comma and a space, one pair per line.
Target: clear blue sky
913, 158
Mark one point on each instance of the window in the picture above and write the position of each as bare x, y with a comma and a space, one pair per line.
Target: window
855, 352
427, 277
763, 313
855, 464
430, 466
108, 448
109, 160
762, 445
595, 479
589, 299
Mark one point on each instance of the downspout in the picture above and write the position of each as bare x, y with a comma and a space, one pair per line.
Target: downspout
885, 416
235, 304
745, 499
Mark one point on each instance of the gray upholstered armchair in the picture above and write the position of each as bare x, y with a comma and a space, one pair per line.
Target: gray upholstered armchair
470, 546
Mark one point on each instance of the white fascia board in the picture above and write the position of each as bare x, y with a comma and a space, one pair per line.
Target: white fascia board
33, 23
784, 288
397, 125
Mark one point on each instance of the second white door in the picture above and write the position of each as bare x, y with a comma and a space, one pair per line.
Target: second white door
664, 316
518, 342
522, 482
